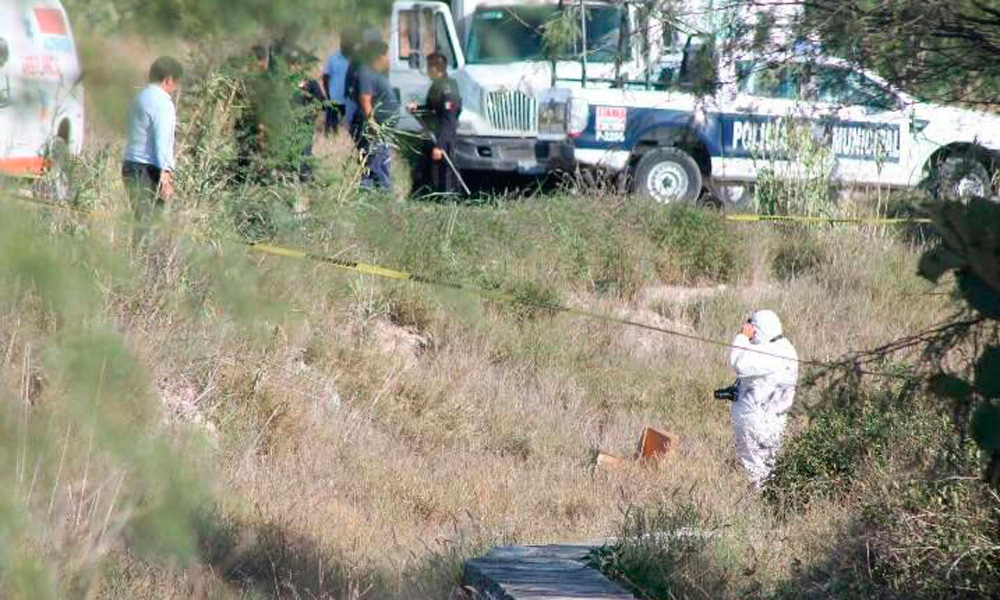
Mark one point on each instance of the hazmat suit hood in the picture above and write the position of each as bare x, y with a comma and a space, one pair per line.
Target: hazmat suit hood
768, 326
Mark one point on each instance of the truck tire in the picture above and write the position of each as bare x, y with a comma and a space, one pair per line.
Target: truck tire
667, 175
56, 183
960, 178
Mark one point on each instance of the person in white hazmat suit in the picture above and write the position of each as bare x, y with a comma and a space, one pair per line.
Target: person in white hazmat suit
767, 368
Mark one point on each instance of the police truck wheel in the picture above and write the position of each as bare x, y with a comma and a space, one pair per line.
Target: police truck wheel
667, 175
959, 178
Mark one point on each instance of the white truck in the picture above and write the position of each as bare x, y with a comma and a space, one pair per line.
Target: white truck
497, 56
675, 145
41, 99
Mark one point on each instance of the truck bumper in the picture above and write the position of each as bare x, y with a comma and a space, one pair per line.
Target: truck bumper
526, 156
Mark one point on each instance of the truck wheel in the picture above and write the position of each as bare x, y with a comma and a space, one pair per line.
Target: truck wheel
959, 178
56, 183
667, 175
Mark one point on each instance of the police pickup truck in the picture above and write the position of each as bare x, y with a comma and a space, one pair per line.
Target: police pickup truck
675, 145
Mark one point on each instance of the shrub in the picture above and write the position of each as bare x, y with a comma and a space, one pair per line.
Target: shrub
532, 297
803, 186
863, 430
620, 271
697, 245
913, 538
934, 539
258, 218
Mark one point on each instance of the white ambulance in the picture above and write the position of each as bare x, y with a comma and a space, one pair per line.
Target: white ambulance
41, 95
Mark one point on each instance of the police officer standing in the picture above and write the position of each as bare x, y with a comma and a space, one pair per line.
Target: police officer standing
439, 115
377, 105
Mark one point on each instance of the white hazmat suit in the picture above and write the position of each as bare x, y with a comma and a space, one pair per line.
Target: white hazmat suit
768, 369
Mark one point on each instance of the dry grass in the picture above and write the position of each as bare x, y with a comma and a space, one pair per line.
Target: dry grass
363, 437
369, 435
364, 454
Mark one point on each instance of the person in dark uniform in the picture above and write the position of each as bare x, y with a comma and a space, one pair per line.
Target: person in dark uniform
352, 113
378, 107
439, 115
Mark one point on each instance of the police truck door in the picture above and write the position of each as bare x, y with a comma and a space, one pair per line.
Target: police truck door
419, 29
765, 123
871, 134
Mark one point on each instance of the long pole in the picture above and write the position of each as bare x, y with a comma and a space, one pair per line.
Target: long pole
451, 165
583, 35
553, 59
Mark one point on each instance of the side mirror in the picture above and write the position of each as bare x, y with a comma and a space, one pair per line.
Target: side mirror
4, 52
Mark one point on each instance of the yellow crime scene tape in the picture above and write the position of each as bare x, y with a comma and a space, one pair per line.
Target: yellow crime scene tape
494, 295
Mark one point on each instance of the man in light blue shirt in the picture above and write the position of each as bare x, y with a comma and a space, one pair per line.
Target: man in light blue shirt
148, 164
334, 84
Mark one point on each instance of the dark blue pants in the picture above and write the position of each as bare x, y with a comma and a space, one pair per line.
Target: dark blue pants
377, 162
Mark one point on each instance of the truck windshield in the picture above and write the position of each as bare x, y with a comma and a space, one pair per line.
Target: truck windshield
515, 33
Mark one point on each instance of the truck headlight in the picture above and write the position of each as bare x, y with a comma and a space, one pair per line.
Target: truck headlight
579, 116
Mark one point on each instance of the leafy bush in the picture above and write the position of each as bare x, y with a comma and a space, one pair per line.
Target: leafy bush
620, 270
696, 243
970, 249
913, 538
934, 539
532, 298
800, 186
843, 439
84, 466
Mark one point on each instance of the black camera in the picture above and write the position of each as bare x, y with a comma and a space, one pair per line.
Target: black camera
728, 394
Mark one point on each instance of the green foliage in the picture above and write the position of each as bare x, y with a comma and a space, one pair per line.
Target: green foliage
943, 52
696, 245
534, 300
192, 18
970, 248
912, 538
845, 440
561, 33
934, 539
986, 419
802, 186
105, 411
258, 215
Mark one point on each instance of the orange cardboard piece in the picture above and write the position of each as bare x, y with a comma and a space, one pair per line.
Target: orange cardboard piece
655, 443
608, 461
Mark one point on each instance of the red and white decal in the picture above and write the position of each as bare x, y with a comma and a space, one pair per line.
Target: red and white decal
43, 66
609, 123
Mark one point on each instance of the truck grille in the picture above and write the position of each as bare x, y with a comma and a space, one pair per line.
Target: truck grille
511, 111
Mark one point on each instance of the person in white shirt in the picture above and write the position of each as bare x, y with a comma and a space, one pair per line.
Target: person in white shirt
767, 368
148, 163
